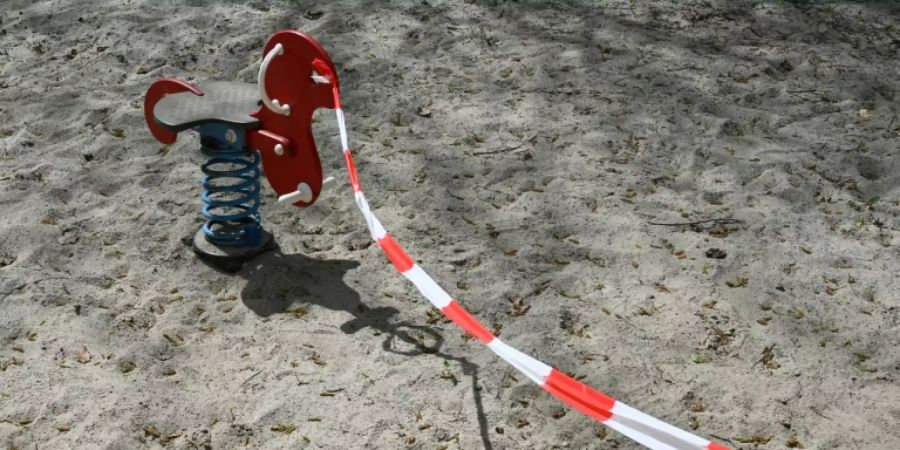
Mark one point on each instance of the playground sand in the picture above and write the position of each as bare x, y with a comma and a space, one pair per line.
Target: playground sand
532, 156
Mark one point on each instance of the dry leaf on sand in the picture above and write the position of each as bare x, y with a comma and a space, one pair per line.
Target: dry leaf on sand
83, 355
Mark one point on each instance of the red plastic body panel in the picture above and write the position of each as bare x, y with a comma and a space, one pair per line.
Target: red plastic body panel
289, 79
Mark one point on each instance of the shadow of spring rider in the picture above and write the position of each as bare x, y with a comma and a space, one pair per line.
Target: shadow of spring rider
241, 124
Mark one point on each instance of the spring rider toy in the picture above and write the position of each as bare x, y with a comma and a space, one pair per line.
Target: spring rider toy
241, 124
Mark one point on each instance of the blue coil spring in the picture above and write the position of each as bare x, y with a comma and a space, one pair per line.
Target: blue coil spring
231, 196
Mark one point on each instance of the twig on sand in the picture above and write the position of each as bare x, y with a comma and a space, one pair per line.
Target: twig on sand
725, 220
491, 152
17, 288
819, 413
7, 294
251, 377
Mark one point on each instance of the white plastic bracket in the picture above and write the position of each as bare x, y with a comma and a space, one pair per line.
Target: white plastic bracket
320, 79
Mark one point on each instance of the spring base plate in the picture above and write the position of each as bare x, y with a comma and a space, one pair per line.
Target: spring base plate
230, 259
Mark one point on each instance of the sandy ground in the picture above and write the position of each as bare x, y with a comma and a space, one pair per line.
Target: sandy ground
533, 156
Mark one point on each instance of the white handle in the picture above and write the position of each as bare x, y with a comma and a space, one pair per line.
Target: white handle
272, 104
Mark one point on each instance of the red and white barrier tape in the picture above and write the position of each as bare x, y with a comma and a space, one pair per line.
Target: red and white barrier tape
649, 431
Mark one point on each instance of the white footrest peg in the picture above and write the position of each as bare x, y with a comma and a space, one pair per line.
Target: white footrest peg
302, 194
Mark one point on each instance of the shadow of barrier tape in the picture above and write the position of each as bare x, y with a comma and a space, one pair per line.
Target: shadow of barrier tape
642, 428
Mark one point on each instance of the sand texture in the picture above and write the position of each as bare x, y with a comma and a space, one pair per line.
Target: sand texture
693, 206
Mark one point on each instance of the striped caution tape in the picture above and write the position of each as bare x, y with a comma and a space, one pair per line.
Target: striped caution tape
647, 430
